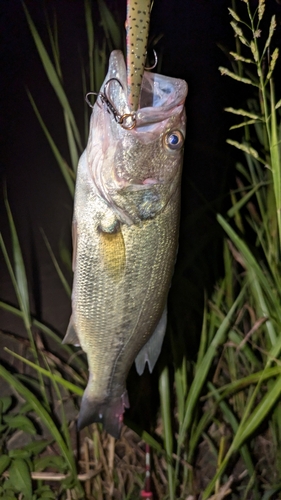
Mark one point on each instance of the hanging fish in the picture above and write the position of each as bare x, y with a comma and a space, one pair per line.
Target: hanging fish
125, 235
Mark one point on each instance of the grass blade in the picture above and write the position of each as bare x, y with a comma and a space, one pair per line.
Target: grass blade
90, 35
42, 413
18, 276
203, 368
56, 265
47, 373
67, 173
164, 389
110, 26
52, 76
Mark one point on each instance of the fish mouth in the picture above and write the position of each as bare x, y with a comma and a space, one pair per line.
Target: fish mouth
160, 95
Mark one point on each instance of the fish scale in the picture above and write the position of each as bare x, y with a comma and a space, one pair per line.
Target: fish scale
125, 238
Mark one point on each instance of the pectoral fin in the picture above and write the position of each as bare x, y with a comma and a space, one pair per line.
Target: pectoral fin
71, 336
112, 248
151, 350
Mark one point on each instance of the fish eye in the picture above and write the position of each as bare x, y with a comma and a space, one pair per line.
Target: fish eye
174, 140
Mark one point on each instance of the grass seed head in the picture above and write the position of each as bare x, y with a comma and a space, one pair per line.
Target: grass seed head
274, 57
271, 31
254, 51
261, 9
233, 14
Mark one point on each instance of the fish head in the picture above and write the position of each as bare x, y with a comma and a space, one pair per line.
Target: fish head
133, 167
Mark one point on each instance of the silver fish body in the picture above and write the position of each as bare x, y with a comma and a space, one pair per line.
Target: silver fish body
125, 237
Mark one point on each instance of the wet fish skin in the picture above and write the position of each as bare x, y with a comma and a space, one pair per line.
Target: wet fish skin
125, 237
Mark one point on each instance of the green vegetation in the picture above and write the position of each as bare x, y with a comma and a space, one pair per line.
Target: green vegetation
219, 428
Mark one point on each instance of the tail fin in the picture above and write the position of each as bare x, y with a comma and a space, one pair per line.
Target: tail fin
109, 413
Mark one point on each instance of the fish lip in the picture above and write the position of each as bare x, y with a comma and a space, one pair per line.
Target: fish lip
168, 96
117, 68
118, 89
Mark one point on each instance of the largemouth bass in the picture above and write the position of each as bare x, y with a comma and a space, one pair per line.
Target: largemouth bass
125, 235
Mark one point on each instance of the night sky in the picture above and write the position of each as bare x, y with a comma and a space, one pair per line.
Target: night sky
193, 35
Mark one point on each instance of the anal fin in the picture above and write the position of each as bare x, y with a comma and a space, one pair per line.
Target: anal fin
71, 336
151, 350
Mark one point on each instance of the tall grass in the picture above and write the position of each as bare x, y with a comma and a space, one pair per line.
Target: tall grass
230, 395
97, 63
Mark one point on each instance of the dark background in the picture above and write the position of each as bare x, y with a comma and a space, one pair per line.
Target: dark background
194, 34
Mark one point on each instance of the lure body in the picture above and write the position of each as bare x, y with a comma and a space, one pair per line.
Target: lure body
137, 27
125, 237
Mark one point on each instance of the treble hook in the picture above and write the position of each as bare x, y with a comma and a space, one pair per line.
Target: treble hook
105, 99
88, 101
121, 119
110, 106
155, 61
